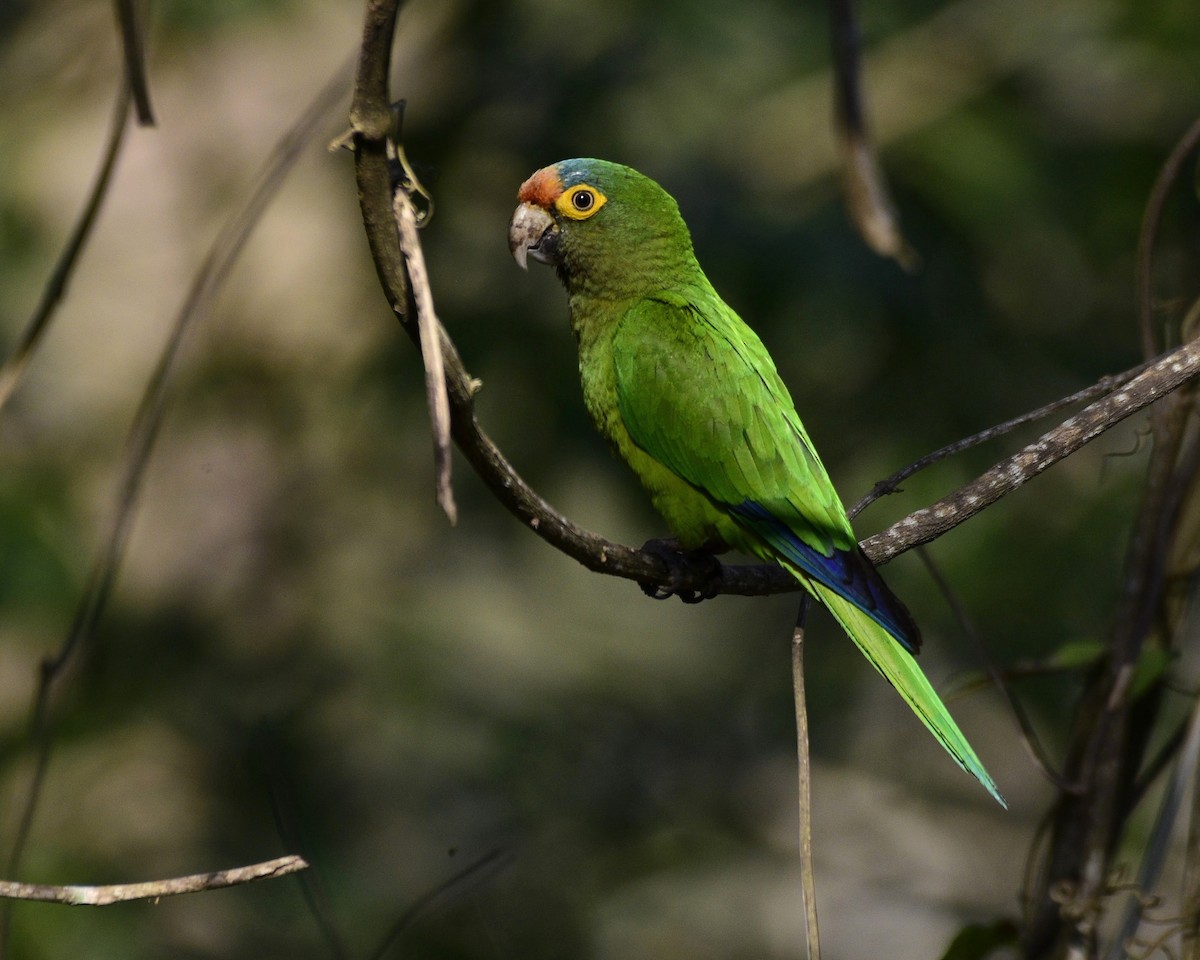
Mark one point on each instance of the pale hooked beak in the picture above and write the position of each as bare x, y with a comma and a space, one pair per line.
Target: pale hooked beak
532, 231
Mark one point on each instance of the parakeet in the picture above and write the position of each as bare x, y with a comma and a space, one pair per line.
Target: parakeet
690, 399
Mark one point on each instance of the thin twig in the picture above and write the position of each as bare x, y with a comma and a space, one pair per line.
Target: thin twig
808, 881
142, 436
491, 862
60, 277
1104, 385
87, 896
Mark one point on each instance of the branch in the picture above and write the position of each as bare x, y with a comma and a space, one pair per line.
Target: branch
808, 883
370, 122
1159, 379
77, 896
891, 484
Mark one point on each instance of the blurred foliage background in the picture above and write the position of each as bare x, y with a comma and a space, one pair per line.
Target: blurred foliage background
302, 656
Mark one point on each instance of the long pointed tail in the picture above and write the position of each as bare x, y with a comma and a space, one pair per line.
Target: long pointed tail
901, 671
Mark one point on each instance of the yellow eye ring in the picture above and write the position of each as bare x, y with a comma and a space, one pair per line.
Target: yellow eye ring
580, 202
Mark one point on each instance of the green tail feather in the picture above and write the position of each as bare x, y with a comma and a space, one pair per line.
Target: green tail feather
901, 671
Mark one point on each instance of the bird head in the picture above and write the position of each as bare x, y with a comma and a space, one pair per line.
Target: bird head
600, 223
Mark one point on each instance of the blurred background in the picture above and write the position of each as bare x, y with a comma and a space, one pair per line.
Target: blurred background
302, 655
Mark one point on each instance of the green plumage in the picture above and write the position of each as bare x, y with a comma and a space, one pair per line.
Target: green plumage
690, 399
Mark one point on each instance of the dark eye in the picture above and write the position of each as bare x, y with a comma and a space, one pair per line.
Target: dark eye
582, 200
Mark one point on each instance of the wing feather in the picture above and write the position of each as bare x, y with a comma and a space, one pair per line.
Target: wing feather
698, 391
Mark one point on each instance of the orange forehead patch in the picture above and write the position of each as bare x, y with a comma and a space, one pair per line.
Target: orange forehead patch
542, 189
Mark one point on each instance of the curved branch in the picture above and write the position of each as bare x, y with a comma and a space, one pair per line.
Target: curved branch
370, 119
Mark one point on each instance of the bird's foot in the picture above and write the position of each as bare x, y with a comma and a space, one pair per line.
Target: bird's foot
683, 566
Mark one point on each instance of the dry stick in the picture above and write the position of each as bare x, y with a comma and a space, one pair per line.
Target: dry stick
56, 285
394, 255
867, 196
430, 337
142, 436
808, 882
86, 896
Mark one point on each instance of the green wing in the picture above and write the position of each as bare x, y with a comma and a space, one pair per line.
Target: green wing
698, 391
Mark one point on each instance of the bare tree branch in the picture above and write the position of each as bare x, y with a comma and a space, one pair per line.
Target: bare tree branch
86, 896
370, 122
892, 484
1159, 379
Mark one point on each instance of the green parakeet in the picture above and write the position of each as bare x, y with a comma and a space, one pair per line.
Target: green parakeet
691, 401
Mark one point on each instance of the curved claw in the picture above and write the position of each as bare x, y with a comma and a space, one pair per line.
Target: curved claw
655, 591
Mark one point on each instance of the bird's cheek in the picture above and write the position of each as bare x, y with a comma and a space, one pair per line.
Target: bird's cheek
533, 232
